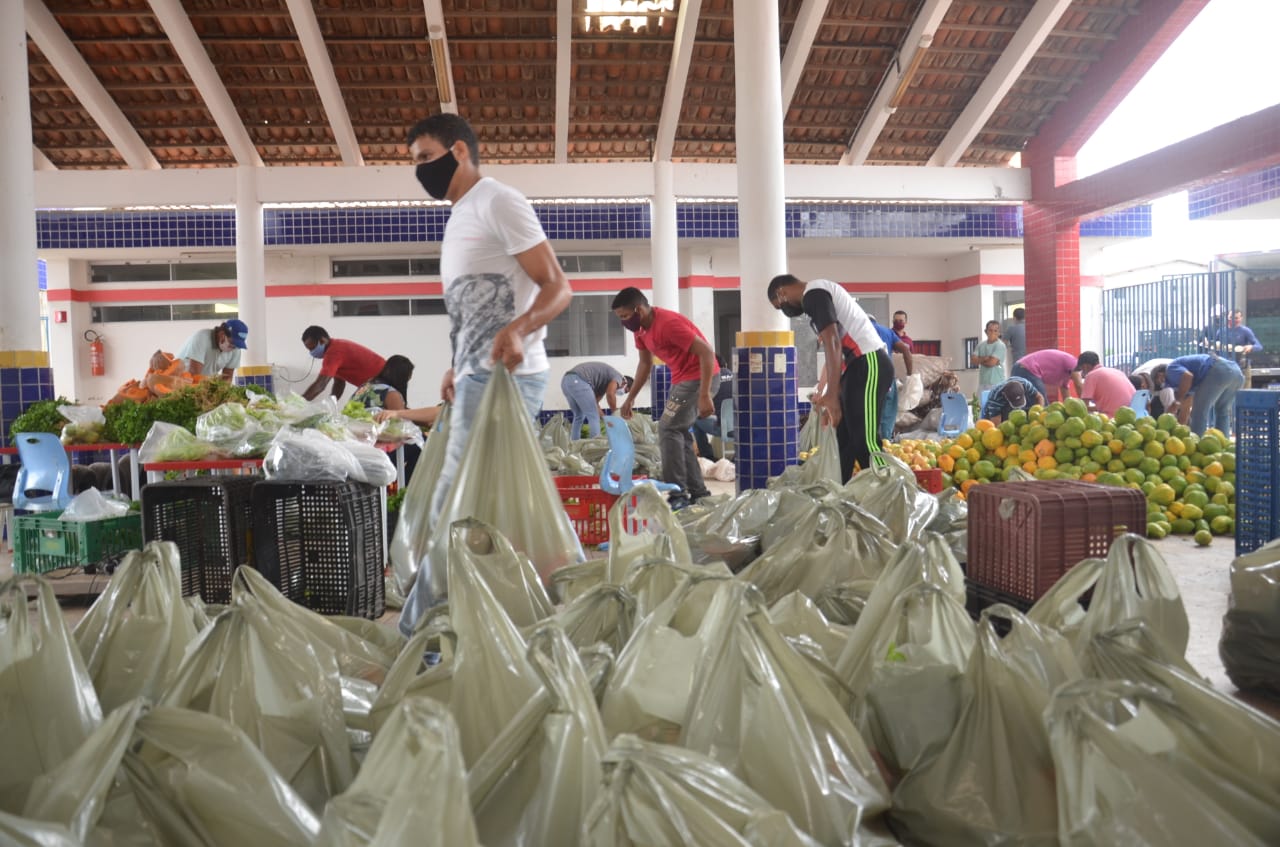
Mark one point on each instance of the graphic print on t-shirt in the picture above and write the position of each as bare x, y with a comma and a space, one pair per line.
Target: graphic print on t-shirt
479, 306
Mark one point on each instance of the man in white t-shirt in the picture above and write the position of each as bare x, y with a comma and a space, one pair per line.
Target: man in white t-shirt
502, 283
854, 401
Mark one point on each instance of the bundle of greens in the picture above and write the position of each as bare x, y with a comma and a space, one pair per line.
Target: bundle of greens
40, 416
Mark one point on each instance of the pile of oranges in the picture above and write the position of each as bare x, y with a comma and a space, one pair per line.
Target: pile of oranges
1189, 480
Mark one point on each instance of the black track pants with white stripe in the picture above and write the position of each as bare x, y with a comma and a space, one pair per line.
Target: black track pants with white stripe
863, 390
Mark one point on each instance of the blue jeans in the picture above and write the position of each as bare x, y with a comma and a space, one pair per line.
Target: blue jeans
582, 405
466, 403
1216, 394
889, 417
703, 431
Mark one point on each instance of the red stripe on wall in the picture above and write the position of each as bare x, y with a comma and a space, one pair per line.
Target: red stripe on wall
436, 289
708, 281
1092, 281
140, 295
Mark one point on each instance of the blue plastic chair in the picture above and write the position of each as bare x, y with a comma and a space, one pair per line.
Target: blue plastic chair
620, 461
1141, 400
726, 427
44, 482
982, 399
955, 414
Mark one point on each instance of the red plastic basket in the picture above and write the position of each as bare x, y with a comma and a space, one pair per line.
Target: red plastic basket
1023, 536
587, 507
930, 480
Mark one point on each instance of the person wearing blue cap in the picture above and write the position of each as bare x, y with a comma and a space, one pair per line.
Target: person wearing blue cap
216, 352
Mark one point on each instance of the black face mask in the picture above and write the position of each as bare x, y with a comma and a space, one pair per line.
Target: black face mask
436, 175
791, 310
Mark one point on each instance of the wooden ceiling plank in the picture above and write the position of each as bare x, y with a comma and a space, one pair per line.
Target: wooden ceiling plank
87, 88
677, 79
1035, 28
200, 68
915, 46
303, 15
809, 21
564, 76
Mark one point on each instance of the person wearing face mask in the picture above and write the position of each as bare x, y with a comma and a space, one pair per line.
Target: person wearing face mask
215, 353
900, 328
695, 376
341, 362
853, 400
502, 286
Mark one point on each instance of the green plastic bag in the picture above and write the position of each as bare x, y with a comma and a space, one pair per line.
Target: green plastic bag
1250, 645
258, 671
540, 775
656, 794
134, 636
1153, 755
48, 705
503, 481
760, 710
642, 527
509, 574
1136, 584
411, 790
993, 783
410, 542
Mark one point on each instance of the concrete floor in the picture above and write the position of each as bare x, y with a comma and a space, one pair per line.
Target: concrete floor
1202, 574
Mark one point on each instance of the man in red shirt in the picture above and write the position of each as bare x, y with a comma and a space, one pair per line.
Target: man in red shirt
342, 362
695, 376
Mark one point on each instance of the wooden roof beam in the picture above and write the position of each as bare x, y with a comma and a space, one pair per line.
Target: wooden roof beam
896, 78
40, 161
187, 45
677, 79
87, 88
326, 82
440, 61
564, 76
1035, 28
808, 22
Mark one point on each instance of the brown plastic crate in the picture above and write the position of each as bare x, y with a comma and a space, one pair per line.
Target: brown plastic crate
1023, 536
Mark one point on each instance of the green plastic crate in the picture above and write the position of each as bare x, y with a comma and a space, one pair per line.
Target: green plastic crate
44, 543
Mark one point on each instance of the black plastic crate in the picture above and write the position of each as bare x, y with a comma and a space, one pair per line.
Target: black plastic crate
210, 518
321, 544
1257, 468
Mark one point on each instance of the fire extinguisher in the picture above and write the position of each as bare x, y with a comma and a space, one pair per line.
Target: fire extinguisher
97, 353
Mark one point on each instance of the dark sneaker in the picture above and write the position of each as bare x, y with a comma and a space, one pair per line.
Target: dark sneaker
678, 502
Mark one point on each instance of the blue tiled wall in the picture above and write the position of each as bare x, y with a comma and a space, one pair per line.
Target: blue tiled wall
19, 388
1134, 222
265, 381
42, 274
614, 221
1257, 187
659, 388
766, 422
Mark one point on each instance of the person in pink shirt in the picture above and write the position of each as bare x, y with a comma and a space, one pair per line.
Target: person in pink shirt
1105, 389
1051, 372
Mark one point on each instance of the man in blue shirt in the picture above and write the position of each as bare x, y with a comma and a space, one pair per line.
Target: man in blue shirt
894, 344
1238, 341
1213, 380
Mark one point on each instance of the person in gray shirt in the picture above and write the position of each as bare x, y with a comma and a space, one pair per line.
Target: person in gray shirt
1015, 335
584, 386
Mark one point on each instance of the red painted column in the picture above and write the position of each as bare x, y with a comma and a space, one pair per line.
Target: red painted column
1051, 260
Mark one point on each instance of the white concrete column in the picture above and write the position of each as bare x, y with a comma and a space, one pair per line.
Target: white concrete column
664, 243
251, 266
762, 243
20, 315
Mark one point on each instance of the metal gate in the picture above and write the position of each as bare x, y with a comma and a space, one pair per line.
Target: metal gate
1174, 317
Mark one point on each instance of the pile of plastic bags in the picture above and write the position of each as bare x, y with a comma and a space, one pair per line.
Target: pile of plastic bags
258, 428
793, 666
